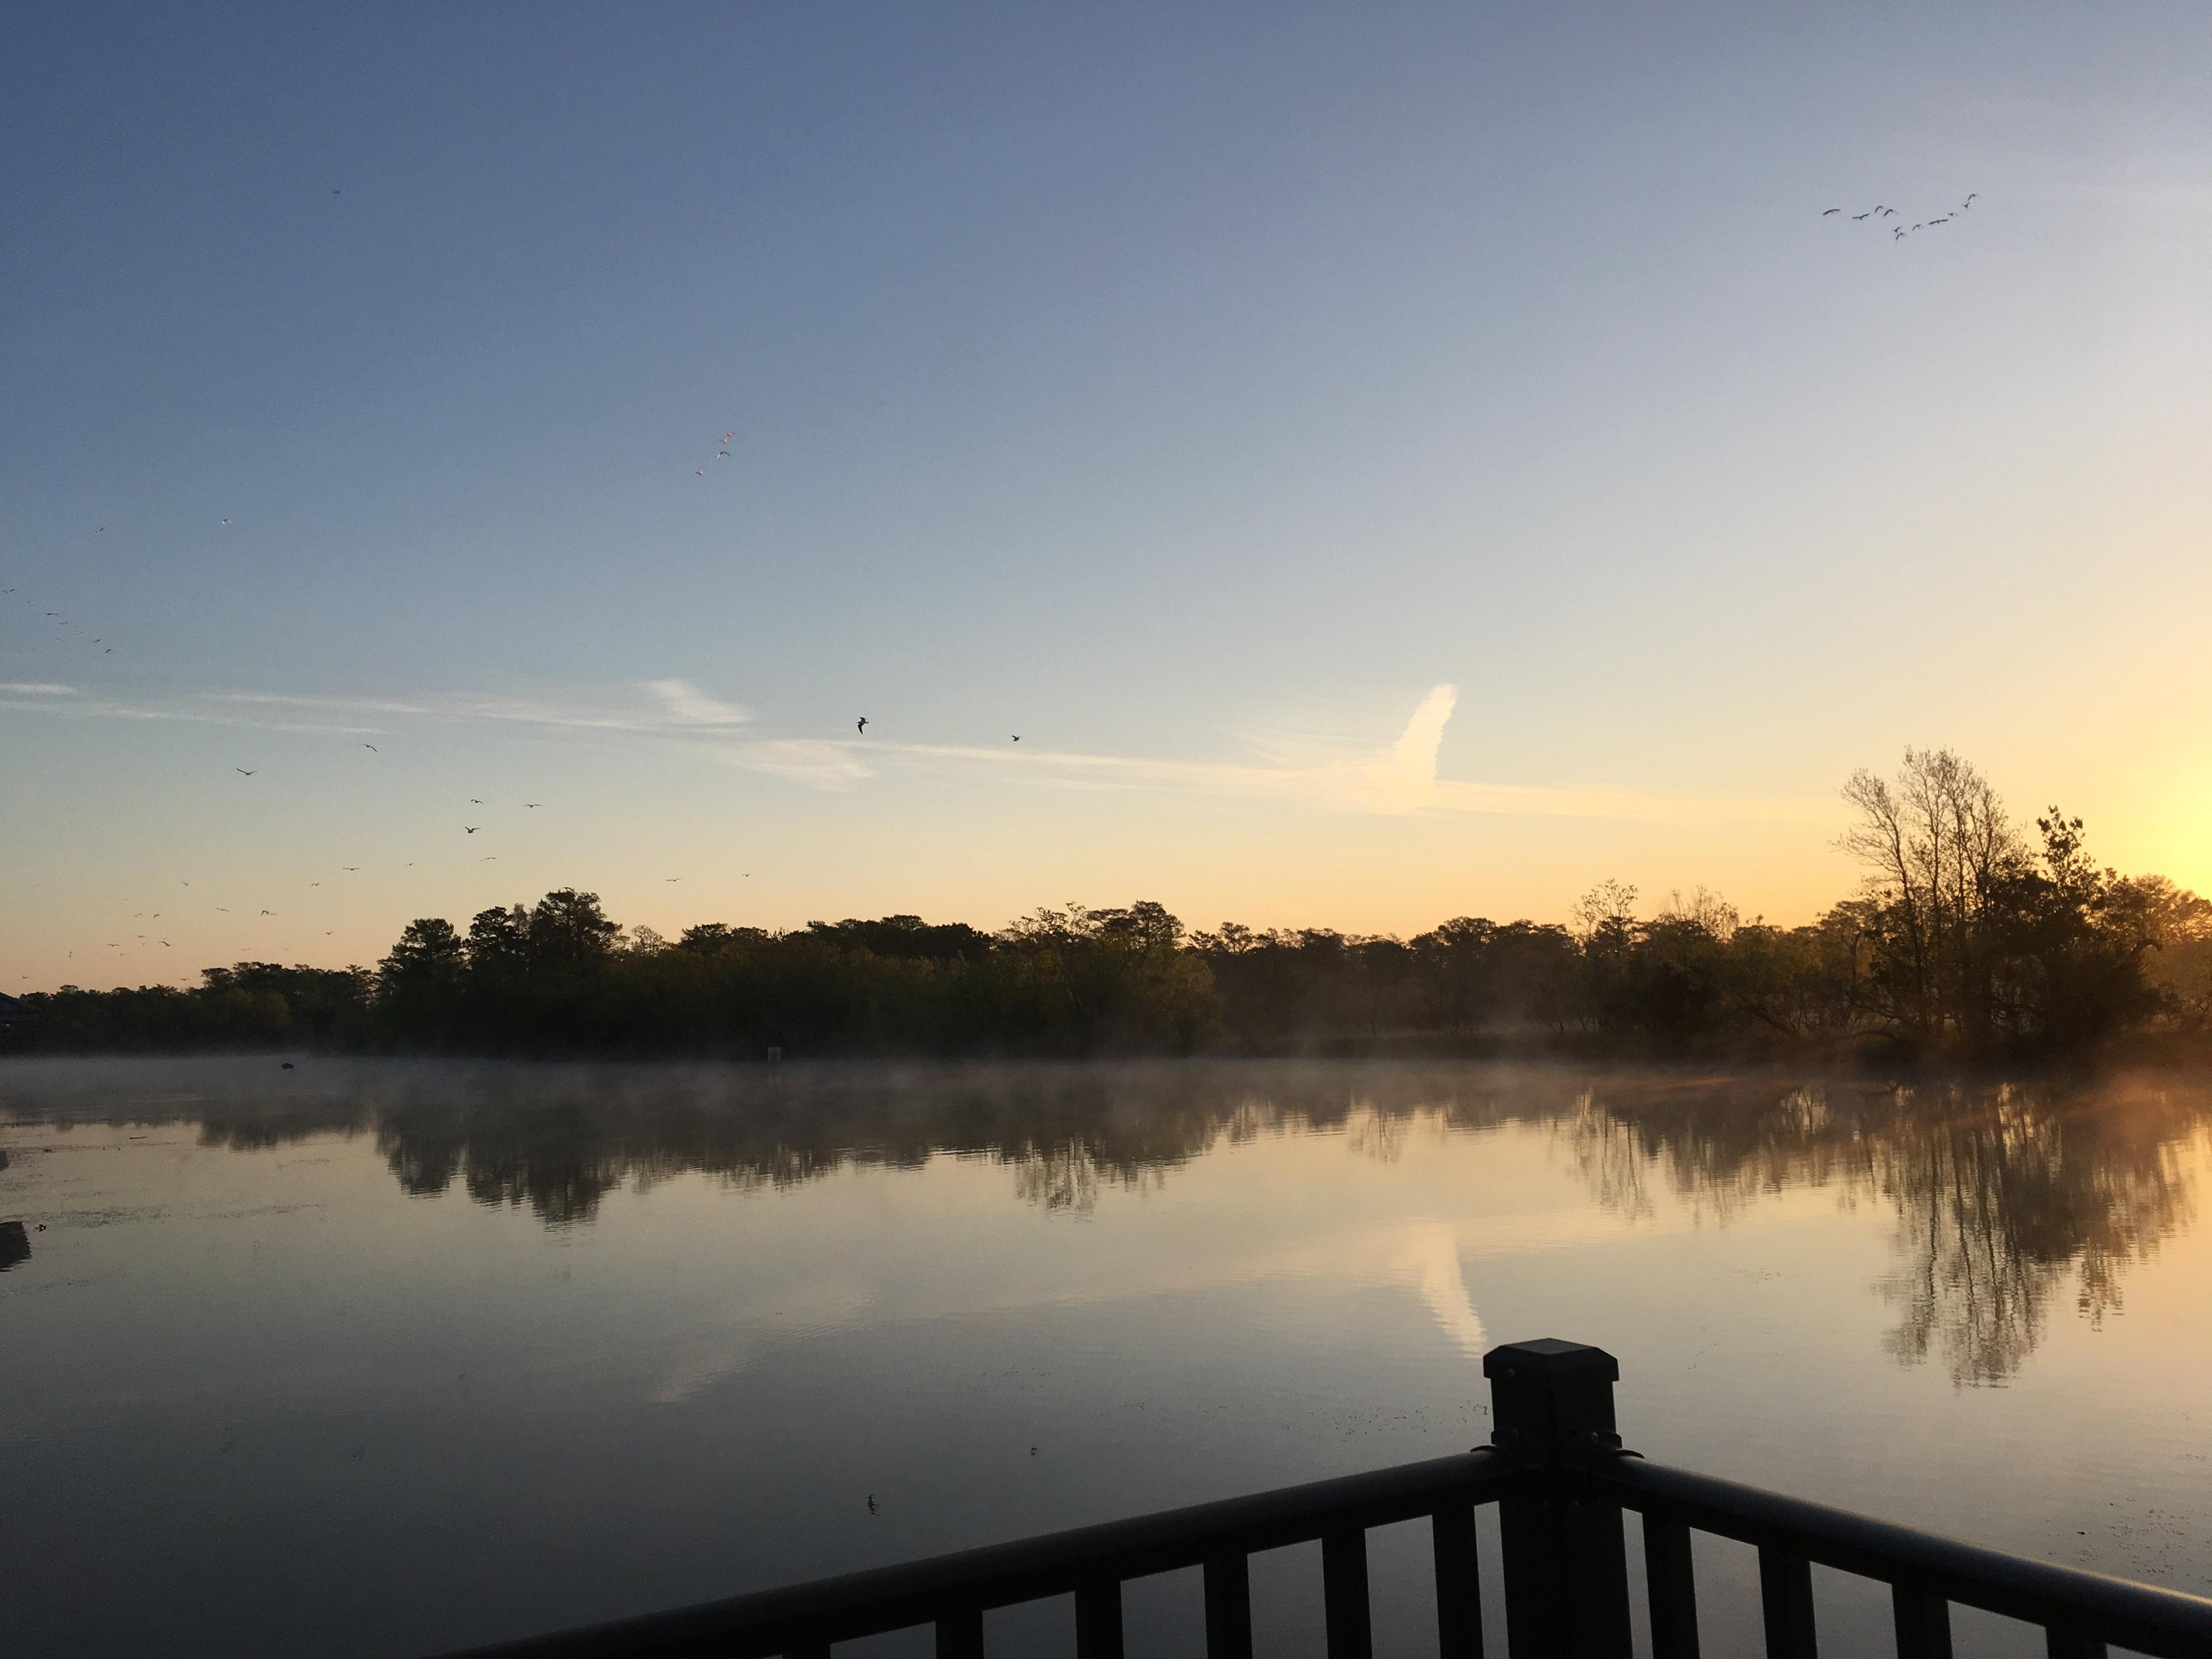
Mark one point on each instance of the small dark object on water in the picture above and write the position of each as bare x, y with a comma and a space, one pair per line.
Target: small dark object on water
287, 1064
872, 1502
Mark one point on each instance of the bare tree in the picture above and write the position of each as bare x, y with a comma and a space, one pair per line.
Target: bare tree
1938, 848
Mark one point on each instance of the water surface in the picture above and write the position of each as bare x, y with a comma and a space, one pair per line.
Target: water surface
387, 1359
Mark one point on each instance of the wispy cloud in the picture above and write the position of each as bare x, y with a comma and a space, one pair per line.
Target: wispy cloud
1381, 775
689, 706
23, 689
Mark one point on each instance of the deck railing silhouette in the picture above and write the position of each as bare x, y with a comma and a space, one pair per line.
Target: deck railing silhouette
1560, 1478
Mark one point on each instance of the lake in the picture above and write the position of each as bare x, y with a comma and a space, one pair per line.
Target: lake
384, 1358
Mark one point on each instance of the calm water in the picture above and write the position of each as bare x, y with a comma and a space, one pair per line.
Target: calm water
382, 1359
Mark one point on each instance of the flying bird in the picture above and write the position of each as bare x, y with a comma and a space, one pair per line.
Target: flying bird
473, 801
241, 771
226, 521
672, 879
702, 472
722, 454
863, 727
470, 828
534, 803
1855, 218
372, 749
268, 912
1018, 737
356, 868
1971, 195
1830, 211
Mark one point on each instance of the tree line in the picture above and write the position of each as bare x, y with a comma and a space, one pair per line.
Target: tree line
1971, 936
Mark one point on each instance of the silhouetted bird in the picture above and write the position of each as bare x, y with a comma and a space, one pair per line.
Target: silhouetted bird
287, 1064
353, 869
372, 749
1831, 210
470, 828
1855, 218
268, 912
226, 521
1018, 737
241, 771
872, 1502
864, 725
534, 803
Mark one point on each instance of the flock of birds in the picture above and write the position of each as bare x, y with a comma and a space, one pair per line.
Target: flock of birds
59, 620
1880, 212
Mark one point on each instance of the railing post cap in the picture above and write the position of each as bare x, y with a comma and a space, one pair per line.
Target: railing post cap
1549, 1355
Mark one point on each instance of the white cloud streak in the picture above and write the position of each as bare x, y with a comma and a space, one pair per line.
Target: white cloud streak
1400, 778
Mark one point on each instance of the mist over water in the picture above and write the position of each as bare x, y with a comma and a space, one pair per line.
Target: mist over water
389, 1357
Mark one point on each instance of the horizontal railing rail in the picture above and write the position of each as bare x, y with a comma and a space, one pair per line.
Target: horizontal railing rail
2081, 1607
1561, 1481
953, 1591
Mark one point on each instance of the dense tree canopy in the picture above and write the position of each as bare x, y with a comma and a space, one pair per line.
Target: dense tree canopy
1969, 938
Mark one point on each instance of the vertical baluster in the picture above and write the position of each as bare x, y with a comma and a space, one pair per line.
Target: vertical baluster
1785, 1596
1459, 1583
960, 1635
1344, 1593
2071, 1645
1228, 1609
1098, 1620
1924, 1622
1670, 1580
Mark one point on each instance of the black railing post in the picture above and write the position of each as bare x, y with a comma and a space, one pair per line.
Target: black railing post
1785, 1602
1228, 1608
1344, 1593
1459, 1582
1098, 1620
1566, 1565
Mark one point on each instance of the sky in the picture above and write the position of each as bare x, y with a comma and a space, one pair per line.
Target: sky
1384, 463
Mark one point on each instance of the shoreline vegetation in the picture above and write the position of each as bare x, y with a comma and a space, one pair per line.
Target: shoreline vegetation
1971, 940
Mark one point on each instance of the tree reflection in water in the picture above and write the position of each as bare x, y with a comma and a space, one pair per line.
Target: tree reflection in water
2005, 1195
2003, 1192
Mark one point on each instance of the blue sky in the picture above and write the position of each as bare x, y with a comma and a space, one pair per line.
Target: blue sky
1195, 396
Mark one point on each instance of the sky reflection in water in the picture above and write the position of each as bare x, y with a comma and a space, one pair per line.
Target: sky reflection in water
384, 1358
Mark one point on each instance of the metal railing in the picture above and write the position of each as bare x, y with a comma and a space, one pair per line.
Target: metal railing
1561, 1480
